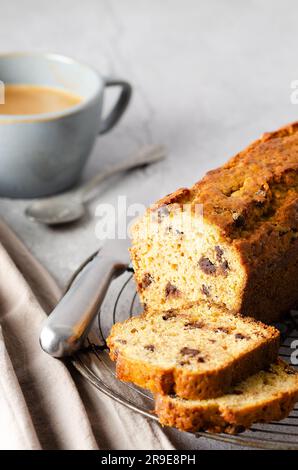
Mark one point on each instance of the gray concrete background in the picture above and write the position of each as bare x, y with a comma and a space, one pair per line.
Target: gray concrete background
209, 77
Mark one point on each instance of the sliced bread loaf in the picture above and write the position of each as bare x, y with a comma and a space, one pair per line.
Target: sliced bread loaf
194, 353
266, 396
231, 239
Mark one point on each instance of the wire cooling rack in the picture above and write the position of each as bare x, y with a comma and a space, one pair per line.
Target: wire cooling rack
94, 364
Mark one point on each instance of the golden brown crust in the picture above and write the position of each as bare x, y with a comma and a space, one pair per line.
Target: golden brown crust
189, 384
247, 186
214, 416
180, 196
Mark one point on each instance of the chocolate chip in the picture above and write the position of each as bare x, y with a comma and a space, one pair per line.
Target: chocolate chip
121, 341
150, 347
172, 290
219, 252
240, 336
207, 266
194, 325
205, 290
134, 330
183, 363
146, 281
222, 329
189, 352
239, 219
201, 359
169, 314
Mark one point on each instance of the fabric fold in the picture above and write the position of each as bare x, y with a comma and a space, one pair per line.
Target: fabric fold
43, 403
55, 407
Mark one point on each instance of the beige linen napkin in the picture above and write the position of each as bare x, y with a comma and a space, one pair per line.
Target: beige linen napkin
44, 404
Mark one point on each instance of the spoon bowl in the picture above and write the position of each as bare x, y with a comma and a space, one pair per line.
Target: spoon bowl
69, 207
55, 212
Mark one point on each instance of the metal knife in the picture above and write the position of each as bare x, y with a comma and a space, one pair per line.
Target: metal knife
66, 328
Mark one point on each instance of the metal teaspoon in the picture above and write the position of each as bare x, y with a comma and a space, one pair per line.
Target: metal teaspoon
70, 206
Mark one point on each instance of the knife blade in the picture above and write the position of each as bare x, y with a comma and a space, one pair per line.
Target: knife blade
64, 331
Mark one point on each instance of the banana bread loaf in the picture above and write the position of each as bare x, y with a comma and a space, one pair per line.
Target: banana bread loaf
243, 252
196, 353
266, 396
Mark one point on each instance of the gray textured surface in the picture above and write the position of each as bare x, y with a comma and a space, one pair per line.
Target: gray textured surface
208, 76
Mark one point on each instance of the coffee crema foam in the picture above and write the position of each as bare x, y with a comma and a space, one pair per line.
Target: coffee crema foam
35, 99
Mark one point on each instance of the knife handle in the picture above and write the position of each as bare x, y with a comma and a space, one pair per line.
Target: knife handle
66, 328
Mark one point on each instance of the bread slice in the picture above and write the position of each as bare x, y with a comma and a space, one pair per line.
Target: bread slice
231, 239
196, 353
266, 396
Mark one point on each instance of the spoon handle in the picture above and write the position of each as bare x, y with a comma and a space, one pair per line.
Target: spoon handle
144, 156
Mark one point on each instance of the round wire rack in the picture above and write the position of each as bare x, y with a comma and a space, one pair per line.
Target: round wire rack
94, 364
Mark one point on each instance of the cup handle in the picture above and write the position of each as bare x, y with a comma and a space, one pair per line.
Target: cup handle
120, 106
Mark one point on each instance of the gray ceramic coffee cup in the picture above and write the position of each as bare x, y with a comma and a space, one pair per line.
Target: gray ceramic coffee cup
44, 154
